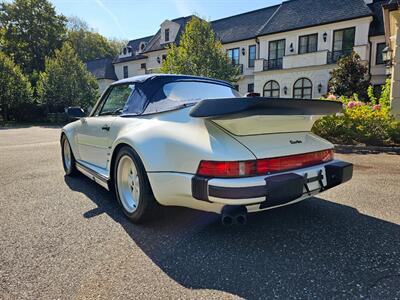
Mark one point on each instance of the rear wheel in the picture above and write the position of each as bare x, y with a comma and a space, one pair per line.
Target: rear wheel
132, 186
68, 158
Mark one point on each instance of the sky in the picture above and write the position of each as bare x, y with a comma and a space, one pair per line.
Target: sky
131, 19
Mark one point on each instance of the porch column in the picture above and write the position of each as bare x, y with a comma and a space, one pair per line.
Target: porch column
395, 86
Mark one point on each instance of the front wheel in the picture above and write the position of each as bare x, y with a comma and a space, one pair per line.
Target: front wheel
68, 158
132, 186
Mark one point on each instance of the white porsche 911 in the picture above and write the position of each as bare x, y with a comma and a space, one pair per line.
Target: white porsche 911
195, 142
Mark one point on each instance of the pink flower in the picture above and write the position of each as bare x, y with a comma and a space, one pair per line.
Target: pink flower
352, 104
377, 107
331, 97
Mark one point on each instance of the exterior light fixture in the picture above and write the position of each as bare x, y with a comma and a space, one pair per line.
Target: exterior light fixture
285, 90
324, 36
243, 51
387, 56
319, 88
291, 48
158, 59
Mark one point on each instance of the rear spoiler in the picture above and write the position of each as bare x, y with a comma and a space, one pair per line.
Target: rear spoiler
242, 107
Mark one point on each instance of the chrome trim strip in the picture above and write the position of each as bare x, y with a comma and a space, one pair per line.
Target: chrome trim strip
98, 178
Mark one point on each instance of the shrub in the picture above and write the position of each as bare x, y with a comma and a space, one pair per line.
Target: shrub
15, 90
360, 123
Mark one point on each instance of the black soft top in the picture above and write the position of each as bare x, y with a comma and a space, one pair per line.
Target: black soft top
149, 90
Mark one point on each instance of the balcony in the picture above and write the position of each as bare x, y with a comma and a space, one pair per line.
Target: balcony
240, 68
361, 50
334, 56
318, 58
273, 64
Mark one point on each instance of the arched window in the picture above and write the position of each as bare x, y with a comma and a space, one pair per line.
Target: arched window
271, 89
302, 89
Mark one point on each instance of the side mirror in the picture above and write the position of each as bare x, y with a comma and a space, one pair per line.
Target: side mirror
75, 113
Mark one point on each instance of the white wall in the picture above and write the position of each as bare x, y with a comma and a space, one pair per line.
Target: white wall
361, 37
378, 72
287, 78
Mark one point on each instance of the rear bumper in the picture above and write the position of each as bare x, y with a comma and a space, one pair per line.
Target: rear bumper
272, 190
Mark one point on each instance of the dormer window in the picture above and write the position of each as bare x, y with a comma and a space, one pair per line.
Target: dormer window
166, 34
142, 46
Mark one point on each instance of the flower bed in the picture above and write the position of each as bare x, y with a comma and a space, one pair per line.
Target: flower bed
360, 123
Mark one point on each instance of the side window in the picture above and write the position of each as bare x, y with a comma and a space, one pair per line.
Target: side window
116, 99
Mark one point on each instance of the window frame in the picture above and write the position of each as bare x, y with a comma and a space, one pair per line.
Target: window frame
308, 43
166, 34
98, 108
251, 65
231, 50
381, 61
272, 89
248, 87
302, 88
342, 29
125, 71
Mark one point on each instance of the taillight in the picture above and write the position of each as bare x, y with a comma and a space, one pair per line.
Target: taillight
262, 166
227, 168
285, 163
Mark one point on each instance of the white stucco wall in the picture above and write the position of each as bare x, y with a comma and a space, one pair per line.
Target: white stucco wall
292, 37
378, 72
317, 75
103, 84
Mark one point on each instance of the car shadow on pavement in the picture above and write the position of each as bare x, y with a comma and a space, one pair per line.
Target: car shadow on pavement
313, 249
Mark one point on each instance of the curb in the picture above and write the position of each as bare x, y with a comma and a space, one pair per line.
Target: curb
345, 149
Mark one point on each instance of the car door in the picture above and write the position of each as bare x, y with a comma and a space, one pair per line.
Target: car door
93, 136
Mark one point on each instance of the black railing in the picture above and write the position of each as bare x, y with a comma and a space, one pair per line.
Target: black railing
334, 56
273, 64
240, 68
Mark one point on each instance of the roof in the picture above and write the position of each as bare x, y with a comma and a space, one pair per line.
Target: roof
290, 15
377, 25
143, 78
134, 44
102, 68
296, 14
243, 26
154, 44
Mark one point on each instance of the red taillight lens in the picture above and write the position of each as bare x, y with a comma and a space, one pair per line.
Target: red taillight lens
262, 166
227, 168
280, 164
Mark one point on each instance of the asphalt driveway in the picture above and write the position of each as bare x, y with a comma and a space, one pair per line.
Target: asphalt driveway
65, 238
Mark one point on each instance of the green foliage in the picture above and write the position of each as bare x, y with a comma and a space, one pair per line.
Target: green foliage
349, 77
15, 89
66, 82
87, 43
371, 95
31, 30
360, 123
199, 53
384, 100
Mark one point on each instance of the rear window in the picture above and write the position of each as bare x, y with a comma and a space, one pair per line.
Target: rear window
181, 93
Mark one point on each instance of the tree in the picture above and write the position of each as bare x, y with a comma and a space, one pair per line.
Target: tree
199, 53
66, 82
31, 31
349, 77
15, 89
87, 43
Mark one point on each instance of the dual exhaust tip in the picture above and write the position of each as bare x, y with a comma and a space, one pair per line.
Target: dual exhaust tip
234, 215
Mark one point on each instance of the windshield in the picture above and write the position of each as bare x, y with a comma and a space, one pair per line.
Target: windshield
184, 93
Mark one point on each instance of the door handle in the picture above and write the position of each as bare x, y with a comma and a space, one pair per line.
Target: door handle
105, 127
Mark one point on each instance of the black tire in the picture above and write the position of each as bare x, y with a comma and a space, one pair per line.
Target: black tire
71, 169
147, 205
